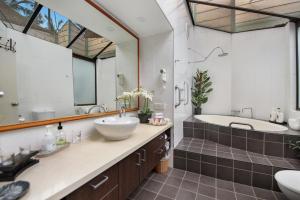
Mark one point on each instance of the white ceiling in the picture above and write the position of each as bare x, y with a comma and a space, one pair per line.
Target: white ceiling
144, 17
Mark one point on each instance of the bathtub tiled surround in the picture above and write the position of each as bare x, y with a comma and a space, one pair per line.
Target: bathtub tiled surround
245, 157
272, 144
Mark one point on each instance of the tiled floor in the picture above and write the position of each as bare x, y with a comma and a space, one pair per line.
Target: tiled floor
183, 185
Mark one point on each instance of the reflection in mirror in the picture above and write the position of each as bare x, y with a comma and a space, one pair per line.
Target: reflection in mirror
60, 67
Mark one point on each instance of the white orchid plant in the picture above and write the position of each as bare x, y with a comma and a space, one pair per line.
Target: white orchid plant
128, 97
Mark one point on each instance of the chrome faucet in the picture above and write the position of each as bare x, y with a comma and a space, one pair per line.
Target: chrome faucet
248, 108
122, 112
91, 108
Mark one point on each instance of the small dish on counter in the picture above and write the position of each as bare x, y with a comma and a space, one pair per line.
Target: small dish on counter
159, 121
14, 190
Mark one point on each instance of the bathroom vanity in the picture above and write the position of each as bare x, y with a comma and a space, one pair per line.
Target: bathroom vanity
98, 168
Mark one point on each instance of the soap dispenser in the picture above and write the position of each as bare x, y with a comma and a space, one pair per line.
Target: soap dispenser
61, 136
49, 142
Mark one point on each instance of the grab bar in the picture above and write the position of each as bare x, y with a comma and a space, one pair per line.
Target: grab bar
186, 86
179, 102
238, 123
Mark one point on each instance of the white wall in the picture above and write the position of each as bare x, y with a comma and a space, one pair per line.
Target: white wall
178, 16
106, 73
219, 68
156, 54
42, 68
260, 66
127, 65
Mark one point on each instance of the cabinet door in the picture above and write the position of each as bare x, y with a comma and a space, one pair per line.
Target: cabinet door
129, 175
99, 187
113, 195
151, 155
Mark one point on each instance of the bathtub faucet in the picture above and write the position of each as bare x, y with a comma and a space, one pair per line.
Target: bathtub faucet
248, 108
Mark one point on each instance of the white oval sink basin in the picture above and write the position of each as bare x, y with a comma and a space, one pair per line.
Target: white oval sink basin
116, 128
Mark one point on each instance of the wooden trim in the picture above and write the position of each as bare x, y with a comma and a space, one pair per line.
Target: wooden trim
97, 6
85, 116
61, 119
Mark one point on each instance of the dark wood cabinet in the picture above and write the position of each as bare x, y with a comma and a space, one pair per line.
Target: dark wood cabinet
129, 174
151, 155
99, 187
135, 168
118, 182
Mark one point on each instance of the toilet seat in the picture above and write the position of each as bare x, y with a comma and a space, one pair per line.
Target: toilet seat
289, 179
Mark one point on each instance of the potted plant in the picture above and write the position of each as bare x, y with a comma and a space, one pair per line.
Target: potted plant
295, 145
201, 89
126, 98
145, 113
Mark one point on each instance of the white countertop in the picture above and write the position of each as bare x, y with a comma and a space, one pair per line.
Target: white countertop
58, 175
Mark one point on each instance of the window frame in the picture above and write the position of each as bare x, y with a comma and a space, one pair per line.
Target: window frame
94, 61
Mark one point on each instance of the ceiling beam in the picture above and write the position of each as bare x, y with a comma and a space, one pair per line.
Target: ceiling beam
294, 19
190, 12
102, 50
76, 37
32, 18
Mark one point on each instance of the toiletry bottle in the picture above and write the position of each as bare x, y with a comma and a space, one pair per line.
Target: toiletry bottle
61, 136
49, 142
280, 116
273, 115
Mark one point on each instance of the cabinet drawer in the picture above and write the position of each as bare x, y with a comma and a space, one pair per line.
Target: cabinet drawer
98, 187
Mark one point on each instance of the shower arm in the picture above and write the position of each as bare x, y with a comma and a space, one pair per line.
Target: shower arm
210, 53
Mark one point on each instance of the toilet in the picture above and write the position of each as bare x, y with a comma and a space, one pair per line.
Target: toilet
289, 183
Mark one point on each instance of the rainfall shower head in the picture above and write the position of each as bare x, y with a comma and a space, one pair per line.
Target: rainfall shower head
222, 54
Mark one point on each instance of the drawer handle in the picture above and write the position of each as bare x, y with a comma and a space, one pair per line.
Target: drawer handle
100, 183
144, 155
139, 159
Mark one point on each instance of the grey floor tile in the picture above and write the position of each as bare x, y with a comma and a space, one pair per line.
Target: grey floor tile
207, 180
177, 173
192, 177
174, 181
226, 185
169, 191
145, 195
153, 186
159, 177
280, 196
189, 185
162, 198
207, 190
202, 197
244, 197
225, 195
264, 194
185, 195
244, 189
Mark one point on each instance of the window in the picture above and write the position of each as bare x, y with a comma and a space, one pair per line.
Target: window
242, 15
16, 13
32, 18
84, 78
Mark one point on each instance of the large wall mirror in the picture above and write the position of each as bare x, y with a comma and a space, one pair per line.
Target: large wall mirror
61, 61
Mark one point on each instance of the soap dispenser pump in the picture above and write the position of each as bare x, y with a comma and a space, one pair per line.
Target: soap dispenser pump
61, 136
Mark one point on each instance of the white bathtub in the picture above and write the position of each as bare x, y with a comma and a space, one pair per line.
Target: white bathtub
257, 125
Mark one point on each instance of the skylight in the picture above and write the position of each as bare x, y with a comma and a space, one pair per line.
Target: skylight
243, 15
29, 17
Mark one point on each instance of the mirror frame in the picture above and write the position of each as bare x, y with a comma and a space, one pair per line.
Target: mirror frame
11, 127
